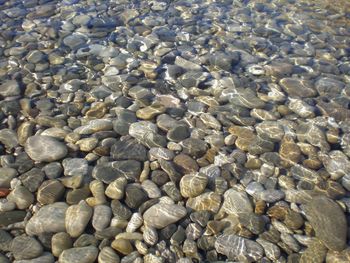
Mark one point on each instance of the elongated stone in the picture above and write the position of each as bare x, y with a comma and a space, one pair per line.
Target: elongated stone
77, 217
239, 248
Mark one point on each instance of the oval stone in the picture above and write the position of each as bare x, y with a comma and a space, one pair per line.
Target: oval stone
45, 148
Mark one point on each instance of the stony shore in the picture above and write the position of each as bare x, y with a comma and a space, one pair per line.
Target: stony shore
174, 131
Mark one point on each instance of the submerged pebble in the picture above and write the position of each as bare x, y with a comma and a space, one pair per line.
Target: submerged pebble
174, 131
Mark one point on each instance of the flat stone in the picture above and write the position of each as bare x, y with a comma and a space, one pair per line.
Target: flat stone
128, 149
135, 196
178, 133
24, 247
95, 126
298, 88
50, 191
162, 215
260, 146
328, 221
311, 133
8, 138
10, 88
73, 41
108, 255
150, 112
79, 255
139, 129
21, 196
192, 185
11, 217
315, 252
271, 196
289, 152
156, 153
185, 163
53, 170
45, 149
75, 166
246, 98
46, 257
194, 147
239, 248
6, 175
32, 179
336, 163
299, 172
108, 172
270, 130
49, 219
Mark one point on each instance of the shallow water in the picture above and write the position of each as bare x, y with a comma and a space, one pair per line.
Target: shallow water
174, 131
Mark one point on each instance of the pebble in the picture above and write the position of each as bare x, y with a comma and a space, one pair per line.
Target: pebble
50, 192
60, 242
77, 217
239, 248
79, 254
45, 149
101, 217
10, 88
49, 219
209, 201
166, 132
129, 149
331, 227
7, 174
162, 215
108, 255
21, 196
24, 247
75, 166
236, 202
192, 185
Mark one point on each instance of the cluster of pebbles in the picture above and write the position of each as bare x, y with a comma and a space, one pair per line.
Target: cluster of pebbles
174, 131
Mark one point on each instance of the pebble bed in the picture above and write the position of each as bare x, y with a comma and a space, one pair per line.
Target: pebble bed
174, 131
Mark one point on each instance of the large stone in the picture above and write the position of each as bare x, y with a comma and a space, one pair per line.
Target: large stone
236, 202
162, 215
79, 255
108, 172
246, 98
328, 221
95, 126
24, 247
128, 149
49, 219
239, 248
10, 88
336, 163
298, 88
8, 138
208, 201
311, 133
45, 148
